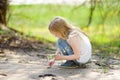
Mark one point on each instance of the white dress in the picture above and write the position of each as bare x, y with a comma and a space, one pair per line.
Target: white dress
83, 44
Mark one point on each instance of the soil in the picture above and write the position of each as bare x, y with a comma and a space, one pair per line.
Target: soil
29, 64
26, 59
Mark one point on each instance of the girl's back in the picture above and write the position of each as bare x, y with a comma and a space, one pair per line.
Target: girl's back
83, 44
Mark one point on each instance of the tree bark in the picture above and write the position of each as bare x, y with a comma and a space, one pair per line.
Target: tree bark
3, 11
4, 5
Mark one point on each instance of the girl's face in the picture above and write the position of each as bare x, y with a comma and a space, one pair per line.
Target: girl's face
58, 35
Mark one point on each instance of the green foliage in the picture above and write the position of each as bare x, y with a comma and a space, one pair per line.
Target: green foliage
33, 20
3, 31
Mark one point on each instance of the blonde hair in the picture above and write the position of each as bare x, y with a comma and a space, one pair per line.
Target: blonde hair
60, 25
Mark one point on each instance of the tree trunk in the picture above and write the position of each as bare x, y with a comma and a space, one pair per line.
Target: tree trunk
4, 5
3, 11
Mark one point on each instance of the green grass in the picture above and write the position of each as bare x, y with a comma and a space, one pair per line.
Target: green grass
33, 20
28, 17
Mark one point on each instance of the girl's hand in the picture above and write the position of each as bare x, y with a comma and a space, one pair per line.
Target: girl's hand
51, 62
58, 57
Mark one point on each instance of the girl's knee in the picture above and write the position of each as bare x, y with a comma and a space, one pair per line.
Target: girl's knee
61, 42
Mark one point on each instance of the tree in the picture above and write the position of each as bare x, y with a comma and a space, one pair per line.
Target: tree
3, 13
106, 8
4, 5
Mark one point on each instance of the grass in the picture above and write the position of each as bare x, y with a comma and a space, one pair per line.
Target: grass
33, 20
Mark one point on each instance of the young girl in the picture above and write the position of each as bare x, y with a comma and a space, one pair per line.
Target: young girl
72, 43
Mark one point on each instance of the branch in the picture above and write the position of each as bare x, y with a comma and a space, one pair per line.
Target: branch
92, 8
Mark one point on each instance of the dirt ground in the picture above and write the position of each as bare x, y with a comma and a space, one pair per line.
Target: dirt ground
21, 64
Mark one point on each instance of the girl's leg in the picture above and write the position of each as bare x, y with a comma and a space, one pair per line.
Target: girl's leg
66, 49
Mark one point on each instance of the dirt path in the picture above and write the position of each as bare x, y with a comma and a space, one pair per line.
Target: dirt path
21, 65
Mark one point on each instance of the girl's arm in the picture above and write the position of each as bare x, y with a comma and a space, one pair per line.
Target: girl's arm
51, 62
74, 43
70, 57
